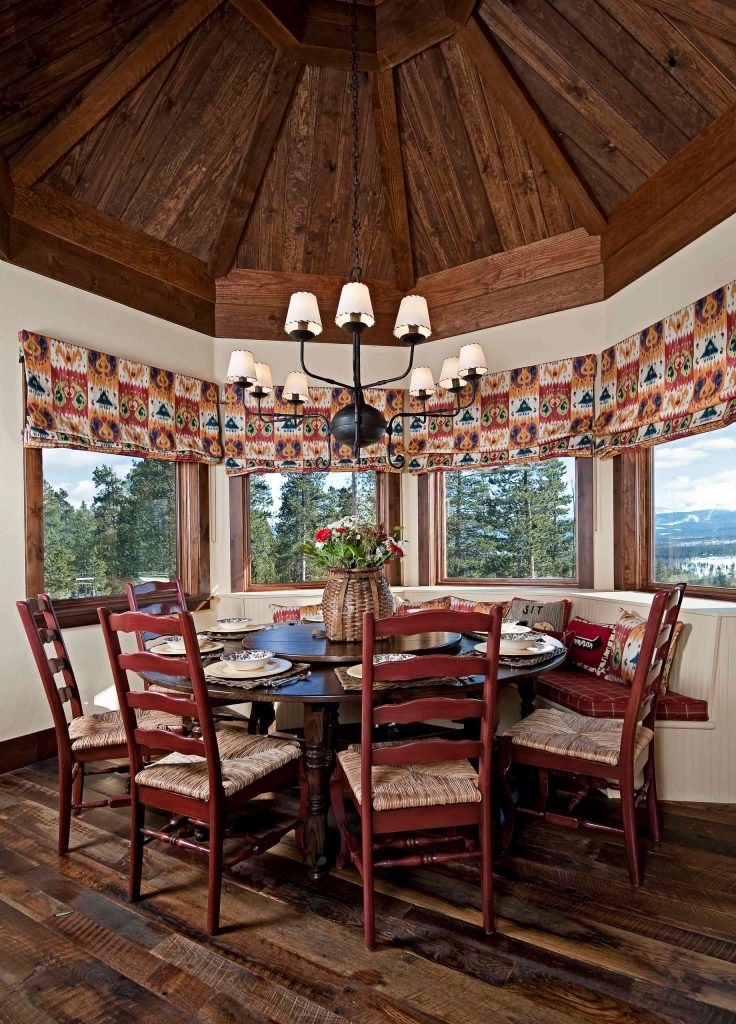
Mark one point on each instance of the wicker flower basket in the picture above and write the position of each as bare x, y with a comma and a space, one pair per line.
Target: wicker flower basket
348, 594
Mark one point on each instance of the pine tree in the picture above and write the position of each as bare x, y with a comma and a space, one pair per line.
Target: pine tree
60, 573
263, 567
304, 508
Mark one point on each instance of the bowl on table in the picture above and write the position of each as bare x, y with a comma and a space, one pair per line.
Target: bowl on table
232, 625
379, 659
248, 660
519, 639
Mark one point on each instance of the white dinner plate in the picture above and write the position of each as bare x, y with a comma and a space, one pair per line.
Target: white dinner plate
541, 648
225, 670
176, 650
251, 627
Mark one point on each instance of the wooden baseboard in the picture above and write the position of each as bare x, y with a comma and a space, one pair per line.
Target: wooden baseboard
24, 750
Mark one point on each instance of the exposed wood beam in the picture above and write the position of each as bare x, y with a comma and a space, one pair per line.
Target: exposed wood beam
43, 253
108, 88
501, 80
709, 15
392, 168
270, 25
66, 218
691, 194
7, 197
253, 303
274, 103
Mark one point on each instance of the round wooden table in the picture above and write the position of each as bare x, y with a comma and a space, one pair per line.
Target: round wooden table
321, 694
303, 641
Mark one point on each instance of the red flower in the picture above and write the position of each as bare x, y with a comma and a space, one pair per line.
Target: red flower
395, 549
323, 535
340, 529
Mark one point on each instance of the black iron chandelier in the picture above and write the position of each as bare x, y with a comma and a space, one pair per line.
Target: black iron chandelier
358, 424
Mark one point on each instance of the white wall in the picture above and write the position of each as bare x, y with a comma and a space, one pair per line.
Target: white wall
47, 307
36, 303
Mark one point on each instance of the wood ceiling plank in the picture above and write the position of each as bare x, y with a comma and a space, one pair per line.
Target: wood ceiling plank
386, 119
521, 176
717, 55
69, 219
7, 200
447, 148
42, 253
709, 154
675, 49
607, 81
481, 126
607, 190
264, 131
23, 18
199, 157
603, 30
108, 88
557, 213
713, 16
499, 80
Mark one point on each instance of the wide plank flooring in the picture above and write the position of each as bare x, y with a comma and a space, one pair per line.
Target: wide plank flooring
574, 942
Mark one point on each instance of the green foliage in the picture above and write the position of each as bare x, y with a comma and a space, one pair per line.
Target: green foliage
127, 534
353, 543
515, 523
282, 523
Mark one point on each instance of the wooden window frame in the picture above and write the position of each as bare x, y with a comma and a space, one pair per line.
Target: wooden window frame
388, 504
432, 536
633, 479
193, 557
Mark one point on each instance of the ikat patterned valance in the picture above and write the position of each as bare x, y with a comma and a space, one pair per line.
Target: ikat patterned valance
81, 398
674, 378
532, 413
255, 446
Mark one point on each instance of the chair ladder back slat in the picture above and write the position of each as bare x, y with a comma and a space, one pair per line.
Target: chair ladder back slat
427, 751
157, 741
449, 709
37, 616
157, 597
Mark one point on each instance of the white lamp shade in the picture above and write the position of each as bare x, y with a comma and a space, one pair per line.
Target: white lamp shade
355, 299
449, 373
263, 376
413, 317
303, 308
472, 361
421, 381
242, 366
296, 388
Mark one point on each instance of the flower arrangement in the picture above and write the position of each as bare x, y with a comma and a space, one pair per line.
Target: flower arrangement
353, 543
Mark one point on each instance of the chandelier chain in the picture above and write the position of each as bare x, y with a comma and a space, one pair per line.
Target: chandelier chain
355, 117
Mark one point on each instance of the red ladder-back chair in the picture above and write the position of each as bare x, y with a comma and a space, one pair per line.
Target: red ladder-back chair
432, 786
82, 739
191, 781
600, 753
158, 597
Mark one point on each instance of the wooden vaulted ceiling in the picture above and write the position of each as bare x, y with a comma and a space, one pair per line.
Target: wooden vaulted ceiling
192, 157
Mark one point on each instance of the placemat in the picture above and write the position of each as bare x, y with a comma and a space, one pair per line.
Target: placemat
350, 684
533, 659
299, 670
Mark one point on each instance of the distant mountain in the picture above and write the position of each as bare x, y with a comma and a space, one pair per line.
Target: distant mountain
702, 524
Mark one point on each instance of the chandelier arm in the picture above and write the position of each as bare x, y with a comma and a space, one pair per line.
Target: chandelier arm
391, 380
317, 376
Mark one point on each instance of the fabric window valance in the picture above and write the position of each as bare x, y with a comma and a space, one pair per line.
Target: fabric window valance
81, 398
532, 413
256, 446
676, 377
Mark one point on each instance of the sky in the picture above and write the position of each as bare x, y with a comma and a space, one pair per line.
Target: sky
72, 470
696, 472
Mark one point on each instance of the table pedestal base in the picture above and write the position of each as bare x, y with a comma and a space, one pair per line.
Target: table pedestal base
320, 735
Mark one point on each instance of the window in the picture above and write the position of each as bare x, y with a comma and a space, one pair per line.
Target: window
510, 523
107, 520
96, 521
693, 537
285, 509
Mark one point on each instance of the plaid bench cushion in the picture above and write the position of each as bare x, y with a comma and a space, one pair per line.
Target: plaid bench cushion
599, 698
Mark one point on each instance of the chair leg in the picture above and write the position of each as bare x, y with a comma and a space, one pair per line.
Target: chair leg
303, 805
337, 798
655, 825
503, 766
137, 815
486, 871
65, 808
77, 787
628, 811
214, 874
369, 907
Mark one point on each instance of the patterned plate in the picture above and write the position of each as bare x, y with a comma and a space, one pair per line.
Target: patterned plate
224, 670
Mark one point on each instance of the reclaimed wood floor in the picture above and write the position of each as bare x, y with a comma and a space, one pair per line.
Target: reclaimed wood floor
575, 944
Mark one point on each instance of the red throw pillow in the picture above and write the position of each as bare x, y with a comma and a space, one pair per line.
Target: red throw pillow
589, 644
